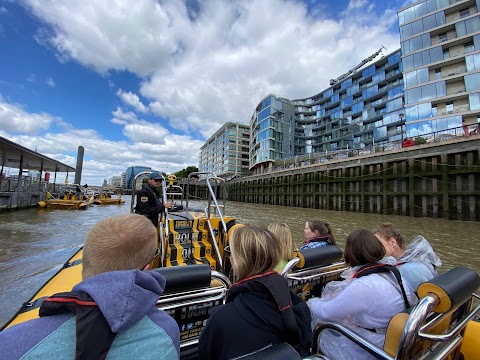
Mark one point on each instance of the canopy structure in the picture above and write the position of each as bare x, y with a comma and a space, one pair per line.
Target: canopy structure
16, 156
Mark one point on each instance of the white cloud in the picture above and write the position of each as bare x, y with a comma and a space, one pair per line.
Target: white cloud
132, 99
201, 73
50, 82
147, 144
14, 118
200, 68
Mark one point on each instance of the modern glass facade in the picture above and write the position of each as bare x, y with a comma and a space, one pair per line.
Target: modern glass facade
271, 127
361, 110
226, 152
440, 42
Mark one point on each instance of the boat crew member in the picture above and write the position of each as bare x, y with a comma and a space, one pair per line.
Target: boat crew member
364, 304
317, 233
111, 313
148, 199
260, 306
417, 263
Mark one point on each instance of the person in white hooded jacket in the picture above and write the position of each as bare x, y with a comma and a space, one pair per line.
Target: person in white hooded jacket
417, 263
364, 304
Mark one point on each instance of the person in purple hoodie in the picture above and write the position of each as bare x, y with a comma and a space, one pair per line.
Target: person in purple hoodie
112, 311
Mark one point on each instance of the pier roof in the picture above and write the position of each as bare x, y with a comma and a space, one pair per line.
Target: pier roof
11, 154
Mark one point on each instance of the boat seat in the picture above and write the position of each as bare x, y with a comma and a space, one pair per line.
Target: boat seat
190, 293
433, 329
311, 269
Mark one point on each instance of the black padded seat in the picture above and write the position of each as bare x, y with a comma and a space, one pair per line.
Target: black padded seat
452, 288
315, 257
181, 278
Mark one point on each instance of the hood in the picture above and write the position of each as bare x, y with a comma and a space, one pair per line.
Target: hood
124, 297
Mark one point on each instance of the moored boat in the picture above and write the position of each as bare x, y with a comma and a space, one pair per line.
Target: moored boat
106, 199
66, 203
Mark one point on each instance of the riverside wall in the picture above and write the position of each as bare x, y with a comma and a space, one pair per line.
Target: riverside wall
439, 180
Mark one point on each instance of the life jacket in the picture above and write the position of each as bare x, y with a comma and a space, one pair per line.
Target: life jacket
93, 334
384, 268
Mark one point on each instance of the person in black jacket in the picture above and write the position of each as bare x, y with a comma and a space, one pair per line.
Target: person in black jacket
148, 199
260, 309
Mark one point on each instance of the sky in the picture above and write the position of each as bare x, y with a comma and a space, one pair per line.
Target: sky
147, 82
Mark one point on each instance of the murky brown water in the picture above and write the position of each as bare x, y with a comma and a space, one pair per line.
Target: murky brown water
36, 242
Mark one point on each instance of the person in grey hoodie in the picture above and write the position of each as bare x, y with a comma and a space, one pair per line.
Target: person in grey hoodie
112, 311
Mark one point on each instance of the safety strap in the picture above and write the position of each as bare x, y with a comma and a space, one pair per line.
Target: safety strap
384, 268
93, 334
278, 288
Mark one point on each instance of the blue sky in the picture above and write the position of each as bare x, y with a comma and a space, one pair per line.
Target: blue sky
146, 82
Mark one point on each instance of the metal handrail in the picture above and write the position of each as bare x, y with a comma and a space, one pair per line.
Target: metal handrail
351, 335
313, 273
184, 299
452, 332
195, 173
212, 234
213, 197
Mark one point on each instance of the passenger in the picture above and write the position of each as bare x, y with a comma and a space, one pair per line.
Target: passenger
418, 261
363, 304
148, 199
260, 309
317, 233
287, 246
120, 317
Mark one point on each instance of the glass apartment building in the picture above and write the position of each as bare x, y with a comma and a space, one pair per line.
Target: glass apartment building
440, 43
363, 109
226, 152
272, 128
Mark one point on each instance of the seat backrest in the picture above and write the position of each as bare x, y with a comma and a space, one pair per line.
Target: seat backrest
311, 269
437, 322
190, 293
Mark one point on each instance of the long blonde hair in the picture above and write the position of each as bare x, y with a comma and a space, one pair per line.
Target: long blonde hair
285, 238
254, 251
123, 242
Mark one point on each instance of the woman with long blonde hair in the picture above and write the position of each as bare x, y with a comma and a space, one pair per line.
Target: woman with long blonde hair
259, 305
285, 239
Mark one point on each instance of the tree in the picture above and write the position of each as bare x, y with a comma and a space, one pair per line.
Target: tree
182, 174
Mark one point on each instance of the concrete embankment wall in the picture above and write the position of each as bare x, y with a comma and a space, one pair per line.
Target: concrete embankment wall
432, 180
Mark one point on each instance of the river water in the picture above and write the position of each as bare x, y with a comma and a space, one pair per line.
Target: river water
36, 242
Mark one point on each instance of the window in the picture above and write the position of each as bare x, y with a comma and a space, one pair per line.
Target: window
449, 107
464, 13
446, 54
469, 47
442, 37
438, 74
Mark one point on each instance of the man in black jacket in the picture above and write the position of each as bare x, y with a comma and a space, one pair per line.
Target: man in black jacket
148, 199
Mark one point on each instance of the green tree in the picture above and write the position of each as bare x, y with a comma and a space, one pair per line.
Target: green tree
182, 174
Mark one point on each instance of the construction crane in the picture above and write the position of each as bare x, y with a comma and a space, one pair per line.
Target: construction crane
352, 71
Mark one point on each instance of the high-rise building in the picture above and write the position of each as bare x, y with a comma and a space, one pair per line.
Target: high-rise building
225, 153
361, 108
133, 171
440, 42
272, 128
